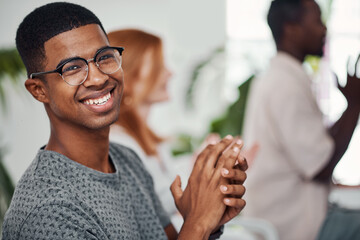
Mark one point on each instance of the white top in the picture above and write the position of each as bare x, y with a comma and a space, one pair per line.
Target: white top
294, 145
163, 174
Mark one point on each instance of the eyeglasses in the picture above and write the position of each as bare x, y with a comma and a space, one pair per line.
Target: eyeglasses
74, 71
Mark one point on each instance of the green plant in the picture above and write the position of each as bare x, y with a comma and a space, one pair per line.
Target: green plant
233, 120
11, 67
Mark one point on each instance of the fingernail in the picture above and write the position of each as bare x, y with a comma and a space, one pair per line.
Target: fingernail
226, 200
239, 141
228, 137
236, 149
224, 171
223, 188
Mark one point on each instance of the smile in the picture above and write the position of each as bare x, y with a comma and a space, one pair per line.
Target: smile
98, 101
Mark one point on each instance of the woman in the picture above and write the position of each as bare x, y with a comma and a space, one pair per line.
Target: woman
146, 77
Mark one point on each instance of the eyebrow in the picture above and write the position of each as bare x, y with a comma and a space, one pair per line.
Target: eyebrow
67, 60
78, 57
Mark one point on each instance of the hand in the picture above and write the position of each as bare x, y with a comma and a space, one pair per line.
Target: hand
211, 138
351, 90
235, 190
202, 202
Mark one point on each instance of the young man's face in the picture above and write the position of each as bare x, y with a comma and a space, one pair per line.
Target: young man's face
314, 31
75, 105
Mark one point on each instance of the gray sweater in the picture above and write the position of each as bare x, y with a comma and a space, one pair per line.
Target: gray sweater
58, 198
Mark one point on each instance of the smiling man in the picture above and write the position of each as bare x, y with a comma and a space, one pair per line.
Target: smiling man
79, 185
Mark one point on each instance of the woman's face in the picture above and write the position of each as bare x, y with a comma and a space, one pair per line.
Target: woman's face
158, 92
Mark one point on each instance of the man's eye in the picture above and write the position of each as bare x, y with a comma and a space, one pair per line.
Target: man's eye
106, 57
71, 68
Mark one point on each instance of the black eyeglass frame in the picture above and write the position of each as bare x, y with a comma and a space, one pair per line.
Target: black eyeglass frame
59, 68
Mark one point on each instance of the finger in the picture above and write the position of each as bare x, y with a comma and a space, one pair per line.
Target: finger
233, 190
202, 156
348, 67
232, 212
229, 157
237, 203
356, 64
241, 163
176, 190
236, 175
229, 214
337, 82
216, 152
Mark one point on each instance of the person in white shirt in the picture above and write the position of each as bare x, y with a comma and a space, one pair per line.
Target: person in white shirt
288, 183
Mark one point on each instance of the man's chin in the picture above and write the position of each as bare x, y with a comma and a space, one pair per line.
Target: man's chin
317, 54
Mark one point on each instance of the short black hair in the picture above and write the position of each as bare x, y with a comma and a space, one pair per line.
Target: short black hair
44, 23
282, 12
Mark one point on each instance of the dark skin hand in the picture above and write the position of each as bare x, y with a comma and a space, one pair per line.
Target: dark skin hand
213, 194
343, 129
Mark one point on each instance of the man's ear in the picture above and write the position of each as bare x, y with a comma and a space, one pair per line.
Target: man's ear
292, 30
38, 89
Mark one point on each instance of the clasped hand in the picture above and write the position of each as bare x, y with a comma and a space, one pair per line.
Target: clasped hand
213, 194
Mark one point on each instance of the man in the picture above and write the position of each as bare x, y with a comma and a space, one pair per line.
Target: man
79, 185
288, 183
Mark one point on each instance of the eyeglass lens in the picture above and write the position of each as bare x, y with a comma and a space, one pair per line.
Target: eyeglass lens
75, 72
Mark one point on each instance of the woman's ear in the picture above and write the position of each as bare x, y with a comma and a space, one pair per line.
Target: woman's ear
38, 89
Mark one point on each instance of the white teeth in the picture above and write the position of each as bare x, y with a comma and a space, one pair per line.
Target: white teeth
98, 101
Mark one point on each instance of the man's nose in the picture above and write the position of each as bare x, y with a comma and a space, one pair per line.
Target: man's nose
95, 76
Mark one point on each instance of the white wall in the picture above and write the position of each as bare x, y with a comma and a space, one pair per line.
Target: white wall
190, 29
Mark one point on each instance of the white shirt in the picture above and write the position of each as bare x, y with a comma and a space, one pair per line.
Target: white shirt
294, 145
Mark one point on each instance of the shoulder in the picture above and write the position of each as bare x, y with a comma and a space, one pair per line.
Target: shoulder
60, 218
126, 159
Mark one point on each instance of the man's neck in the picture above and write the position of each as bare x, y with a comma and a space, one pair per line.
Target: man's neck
87, 147
293, 51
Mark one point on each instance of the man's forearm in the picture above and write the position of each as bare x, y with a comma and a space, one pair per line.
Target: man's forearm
341, 132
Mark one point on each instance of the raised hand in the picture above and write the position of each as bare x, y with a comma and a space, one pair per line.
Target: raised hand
351, 90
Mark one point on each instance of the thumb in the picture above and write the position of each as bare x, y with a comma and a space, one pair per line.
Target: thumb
176, 190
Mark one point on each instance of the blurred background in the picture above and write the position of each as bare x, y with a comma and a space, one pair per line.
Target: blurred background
212, 47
